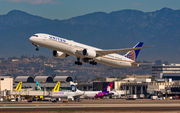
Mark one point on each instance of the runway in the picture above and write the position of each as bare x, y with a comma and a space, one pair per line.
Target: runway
94, 105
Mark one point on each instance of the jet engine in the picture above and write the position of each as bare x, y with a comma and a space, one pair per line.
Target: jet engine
89, 53
59, 54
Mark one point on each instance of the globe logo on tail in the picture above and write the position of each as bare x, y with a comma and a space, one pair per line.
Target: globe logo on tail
131, 55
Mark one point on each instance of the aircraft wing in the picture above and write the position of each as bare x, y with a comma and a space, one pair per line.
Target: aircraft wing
106, 52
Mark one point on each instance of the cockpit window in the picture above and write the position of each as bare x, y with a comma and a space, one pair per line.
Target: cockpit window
35, 35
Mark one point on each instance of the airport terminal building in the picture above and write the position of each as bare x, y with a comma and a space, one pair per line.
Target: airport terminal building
167, 83
166, 71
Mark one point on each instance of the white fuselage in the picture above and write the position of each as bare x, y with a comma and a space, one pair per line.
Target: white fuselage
67, 94
89, 94
70, 47
92, 94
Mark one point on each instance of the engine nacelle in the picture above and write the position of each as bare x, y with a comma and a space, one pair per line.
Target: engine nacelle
59, 54
89, 53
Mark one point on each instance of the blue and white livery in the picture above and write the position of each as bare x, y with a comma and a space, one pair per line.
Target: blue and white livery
87, 54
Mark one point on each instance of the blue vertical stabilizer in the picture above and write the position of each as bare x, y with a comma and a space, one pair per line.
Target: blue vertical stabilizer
134, 53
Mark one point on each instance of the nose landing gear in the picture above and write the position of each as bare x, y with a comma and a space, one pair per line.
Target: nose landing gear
37, 47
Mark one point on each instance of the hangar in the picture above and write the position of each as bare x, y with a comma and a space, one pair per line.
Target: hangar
46, 82
48, 79
63, 79
24, 79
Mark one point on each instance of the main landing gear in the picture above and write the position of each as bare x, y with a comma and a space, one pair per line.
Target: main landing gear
86, 60
93, 63
37, 47
78, 62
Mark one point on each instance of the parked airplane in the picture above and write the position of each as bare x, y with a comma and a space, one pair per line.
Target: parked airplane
61, 94
68, 95
86, 54
95, 94
18, 88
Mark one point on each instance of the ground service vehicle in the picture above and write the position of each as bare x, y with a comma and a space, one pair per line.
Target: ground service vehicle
131, 97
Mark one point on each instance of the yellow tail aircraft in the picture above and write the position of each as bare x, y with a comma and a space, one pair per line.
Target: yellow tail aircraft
56, 88
18, 88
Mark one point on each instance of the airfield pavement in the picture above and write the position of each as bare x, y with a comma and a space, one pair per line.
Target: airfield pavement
95, 106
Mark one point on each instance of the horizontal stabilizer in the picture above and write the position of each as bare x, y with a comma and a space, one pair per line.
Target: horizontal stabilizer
141, 63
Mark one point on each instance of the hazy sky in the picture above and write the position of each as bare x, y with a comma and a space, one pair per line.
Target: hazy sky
64, 9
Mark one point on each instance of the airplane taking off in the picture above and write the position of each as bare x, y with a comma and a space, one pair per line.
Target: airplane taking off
87, 54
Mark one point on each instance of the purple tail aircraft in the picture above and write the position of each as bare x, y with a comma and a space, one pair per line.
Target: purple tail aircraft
106, 91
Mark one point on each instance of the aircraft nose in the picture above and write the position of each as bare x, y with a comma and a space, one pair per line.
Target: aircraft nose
32, 39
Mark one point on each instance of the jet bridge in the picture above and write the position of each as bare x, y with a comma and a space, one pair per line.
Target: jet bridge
31, 93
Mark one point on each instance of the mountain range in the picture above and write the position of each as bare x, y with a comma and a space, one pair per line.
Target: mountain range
115, 30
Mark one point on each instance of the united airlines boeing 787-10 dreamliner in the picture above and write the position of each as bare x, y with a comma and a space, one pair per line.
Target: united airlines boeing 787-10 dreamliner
87, 54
